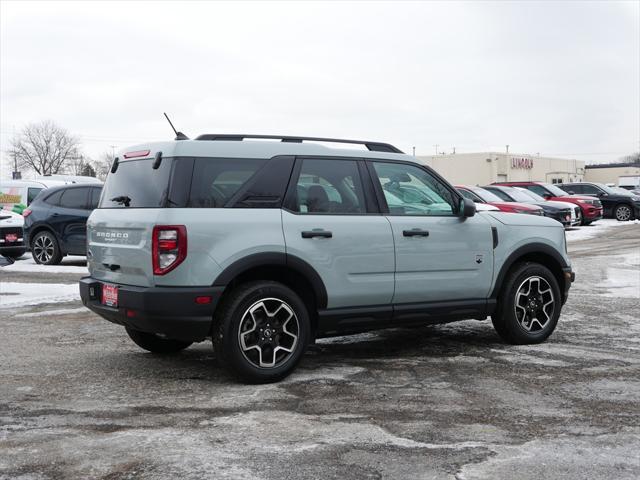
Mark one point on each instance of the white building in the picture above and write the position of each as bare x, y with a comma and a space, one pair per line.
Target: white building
484, 168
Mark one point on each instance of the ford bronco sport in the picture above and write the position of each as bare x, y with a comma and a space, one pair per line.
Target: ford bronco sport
264, 244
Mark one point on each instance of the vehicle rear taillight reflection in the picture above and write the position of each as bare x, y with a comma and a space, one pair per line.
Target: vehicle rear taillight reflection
169, 247
26, 212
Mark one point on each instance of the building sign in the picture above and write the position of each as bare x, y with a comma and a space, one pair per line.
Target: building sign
524, 163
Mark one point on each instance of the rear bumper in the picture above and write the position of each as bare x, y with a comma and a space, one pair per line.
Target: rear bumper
166, 310
19, 244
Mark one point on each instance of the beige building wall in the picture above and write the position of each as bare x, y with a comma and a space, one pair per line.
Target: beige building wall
609, 174
487, 167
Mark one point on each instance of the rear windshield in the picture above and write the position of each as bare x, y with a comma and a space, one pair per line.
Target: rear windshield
179, 182
135, 184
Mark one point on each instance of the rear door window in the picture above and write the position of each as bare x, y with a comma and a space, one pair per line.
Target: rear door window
329, 186
74, 198
216, 180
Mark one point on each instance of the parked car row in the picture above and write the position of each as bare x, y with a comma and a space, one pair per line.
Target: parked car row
580, 203
52, 232
48, 216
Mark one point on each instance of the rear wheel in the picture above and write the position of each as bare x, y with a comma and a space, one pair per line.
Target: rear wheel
152, 342
45, 249
623, 213
529, 305
261, 331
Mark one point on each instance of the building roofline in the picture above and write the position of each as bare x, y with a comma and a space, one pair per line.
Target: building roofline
614, 165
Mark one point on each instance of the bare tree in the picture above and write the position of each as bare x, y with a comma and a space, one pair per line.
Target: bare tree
102, 165
633, 158
75, 165
44, 147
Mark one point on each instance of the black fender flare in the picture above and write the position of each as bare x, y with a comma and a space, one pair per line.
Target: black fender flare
275, 259
521, 252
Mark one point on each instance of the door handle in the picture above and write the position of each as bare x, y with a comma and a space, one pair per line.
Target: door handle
415, 232
317, 233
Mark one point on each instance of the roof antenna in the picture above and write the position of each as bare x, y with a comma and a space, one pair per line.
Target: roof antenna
179, 135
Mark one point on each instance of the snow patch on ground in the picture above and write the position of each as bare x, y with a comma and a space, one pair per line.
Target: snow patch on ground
596, 229
14, 294
70, 264
61, 311
623, 275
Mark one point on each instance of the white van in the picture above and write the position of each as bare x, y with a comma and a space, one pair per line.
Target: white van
68, 179
15, 195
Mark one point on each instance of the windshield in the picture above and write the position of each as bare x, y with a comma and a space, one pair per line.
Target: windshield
486, 195
555, 191
530, 194
518, 195
607, 189
620, 191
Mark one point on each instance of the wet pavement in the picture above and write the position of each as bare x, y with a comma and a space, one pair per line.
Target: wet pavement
79, 400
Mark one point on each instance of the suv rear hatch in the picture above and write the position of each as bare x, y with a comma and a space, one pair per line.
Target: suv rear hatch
119, 231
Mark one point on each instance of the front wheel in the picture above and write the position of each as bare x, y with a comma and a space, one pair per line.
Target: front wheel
529, 305
155, 343
261, 331
623, 213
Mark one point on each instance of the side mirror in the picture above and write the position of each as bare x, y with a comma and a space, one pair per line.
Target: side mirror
571, 192
468, 208
602, 194
546, 196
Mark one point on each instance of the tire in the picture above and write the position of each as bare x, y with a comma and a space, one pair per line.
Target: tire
535, 318
155, 343
623, 213
253, 321
585, 222
45, 249
15, 254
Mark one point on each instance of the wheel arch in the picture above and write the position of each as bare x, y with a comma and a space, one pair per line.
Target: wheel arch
537, 253
39, 227
289, 270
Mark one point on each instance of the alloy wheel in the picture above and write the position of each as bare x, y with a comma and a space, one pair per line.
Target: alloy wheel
623, 213
43, 248
268, 333
534, 304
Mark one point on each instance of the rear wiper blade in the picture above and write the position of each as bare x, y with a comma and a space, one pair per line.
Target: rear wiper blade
123, 199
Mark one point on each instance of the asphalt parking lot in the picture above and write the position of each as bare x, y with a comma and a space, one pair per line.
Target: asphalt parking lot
79, 400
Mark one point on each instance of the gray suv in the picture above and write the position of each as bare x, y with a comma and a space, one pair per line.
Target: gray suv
264, 244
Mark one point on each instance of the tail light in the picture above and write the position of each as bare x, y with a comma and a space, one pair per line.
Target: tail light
26, 212
169, 247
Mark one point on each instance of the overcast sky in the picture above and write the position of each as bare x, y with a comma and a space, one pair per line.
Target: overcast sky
555, 78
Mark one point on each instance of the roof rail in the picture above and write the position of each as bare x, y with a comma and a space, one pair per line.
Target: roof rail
371, 146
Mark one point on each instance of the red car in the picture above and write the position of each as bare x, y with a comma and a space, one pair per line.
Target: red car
591, 207
480, 195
